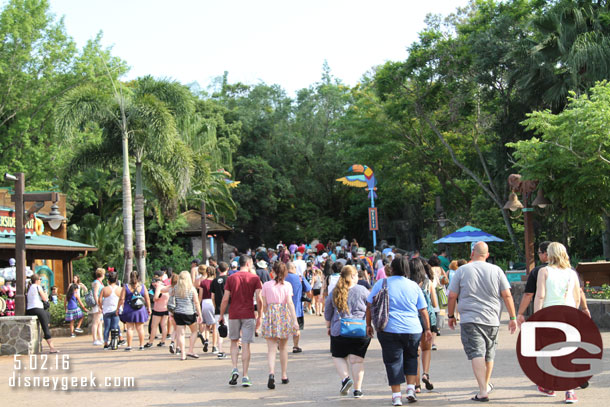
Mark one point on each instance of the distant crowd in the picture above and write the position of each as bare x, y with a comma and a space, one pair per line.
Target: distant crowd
267, 292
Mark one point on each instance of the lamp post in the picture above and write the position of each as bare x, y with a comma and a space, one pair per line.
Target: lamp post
20, 198
526, 188
204, 234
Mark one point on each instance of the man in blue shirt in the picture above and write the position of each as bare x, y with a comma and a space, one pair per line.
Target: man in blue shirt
298, 286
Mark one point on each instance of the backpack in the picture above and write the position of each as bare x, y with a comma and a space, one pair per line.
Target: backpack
137, 301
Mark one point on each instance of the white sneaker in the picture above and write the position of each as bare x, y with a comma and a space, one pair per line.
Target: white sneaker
411, 397
97, 343
397, 401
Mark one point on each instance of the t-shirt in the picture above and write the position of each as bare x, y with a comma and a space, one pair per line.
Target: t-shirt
218, 288
406, 299
297, 291
206, 285
300, 266
343, 243
276, 293
242, 286
331, 281
532, 280
444, 262
365, 284
263, 275
479, 285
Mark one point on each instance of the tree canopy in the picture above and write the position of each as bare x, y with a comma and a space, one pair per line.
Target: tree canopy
494, 88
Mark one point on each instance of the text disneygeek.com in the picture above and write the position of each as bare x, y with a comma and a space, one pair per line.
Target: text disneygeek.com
34, 372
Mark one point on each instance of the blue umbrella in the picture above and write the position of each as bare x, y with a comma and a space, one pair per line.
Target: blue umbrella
468, 234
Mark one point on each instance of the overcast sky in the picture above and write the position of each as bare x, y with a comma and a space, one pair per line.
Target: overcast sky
281, 42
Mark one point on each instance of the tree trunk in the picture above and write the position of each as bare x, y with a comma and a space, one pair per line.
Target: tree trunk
139, 217
127, 210
606, 236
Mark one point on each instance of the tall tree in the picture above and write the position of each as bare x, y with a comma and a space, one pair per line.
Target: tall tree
142, 126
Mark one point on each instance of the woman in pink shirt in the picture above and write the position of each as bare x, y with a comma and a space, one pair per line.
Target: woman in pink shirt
280, 320
159, 314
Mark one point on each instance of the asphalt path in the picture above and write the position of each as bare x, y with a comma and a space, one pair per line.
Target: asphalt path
161, 379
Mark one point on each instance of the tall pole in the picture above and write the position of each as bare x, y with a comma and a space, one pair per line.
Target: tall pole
20, 245
528, 224
204, 232
374, 232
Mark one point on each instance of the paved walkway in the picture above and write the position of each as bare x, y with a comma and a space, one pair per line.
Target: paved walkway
163, 380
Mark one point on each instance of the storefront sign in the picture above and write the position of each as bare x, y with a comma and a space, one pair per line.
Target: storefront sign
7, 223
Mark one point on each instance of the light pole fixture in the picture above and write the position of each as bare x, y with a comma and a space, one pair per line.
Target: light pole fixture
513, 202
55, 218
526, 188
541, 201
20, 198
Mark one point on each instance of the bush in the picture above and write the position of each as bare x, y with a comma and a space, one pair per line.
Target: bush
58, 312
598, 293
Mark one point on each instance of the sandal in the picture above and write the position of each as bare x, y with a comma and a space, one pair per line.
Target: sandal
426, 379
193, 355
481, 399
296, 349
418, 388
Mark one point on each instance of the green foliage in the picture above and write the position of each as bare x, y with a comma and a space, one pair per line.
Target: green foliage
572, 156
58, 311
164, 248
601, 293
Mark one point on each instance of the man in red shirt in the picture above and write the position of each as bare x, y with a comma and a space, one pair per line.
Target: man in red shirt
241, 287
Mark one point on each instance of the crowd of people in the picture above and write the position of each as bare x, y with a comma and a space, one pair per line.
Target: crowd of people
360, 294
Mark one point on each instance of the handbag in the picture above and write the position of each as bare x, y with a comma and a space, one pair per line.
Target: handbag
441, 295
352, 327
380, 308
45, 304
90, 299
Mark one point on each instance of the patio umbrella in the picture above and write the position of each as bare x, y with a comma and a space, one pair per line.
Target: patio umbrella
468, 234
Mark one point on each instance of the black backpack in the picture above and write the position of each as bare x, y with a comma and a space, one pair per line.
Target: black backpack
137, 301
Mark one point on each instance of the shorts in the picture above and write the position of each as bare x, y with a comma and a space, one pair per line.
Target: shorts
184, 319
316, 292
207, 312
479, 340
301, 321
341, 346
242, 328
160, 313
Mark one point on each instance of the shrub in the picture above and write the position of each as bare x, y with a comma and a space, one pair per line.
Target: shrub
598, 293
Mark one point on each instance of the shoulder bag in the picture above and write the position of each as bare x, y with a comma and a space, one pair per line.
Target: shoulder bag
380, 308
171, 302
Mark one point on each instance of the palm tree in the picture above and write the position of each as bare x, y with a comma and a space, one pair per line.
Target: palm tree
571, 53
144, 127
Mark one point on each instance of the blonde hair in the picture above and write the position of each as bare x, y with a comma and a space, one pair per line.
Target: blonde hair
100, 272
341, 290
454, 265
202, 270
185, 284
558, 256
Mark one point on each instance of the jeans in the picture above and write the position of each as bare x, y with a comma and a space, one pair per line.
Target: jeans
111, 321
399, 352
